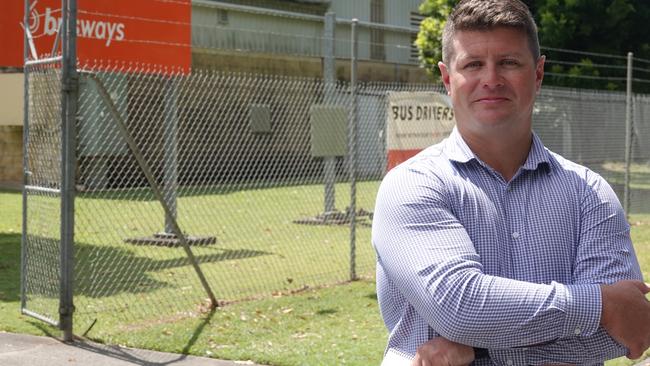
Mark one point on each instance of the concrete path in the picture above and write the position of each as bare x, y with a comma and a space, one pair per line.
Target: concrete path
28, 350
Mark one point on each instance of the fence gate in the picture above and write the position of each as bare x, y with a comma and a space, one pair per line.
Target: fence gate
48, 194
52, 85
41, 249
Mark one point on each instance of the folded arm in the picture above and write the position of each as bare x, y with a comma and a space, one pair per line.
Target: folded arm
429, 255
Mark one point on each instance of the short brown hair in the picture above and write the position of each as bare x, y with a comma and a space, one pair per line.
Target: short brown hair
484, 15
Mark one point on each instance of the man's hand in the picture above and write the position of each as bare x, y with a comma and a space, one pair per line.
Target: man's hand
442, 352
626, 315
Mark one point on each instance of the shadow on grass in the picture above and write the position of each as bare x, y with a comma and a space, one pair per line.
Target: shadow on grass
10, 267
197, 332
100, 271
328, 311
104, 271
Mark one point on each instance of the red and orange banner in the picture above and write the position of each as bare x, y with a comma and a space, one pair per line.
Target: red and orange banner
147, 32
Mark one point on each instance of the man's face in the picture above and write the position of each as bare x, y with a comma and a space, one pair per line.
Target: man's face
492, 78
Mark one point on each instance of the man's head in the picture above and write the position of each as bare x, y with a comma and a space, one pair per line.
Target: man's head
485, 15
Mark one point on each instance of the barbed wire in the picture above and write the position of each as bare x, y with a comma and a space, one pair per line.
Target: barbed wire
586, 53
571, 63
129, 17
256, 43
593, 77
641, 60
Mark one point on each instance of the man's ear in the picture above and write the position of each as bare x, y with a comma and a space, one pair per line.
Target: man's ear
539, 72
444, 74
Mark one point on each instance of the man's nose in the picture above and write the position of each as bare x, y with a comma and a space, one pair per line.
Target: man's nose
492, 77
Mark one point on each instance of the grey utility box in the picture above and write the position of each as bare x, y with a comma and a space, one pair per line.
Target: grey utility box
259, 120
328, 130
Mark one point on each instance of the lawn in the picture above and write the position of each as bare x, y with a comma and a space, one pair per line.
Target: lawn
299, 324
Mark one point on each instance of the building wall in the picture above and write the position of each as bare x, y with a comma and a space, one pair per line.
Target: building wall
220, 27
246, 42
11, 156
11, 99
246, 62
11, 129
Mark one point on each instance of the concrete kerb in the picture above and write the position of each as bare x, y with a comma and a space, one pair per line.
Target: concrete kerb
21, 350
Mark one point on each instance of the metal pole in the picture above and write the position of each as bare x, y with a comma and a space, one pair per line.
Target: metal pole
329, 70
69, 95
352, 151
170, 185
157, 191
628, 134
23, 251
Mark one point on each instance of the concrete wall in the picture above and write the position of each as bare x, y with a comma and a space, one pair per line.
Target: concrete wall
248, 62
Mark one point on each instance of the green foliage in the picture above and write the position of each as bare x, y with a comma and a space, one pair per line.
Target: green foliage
613, 27
429, 39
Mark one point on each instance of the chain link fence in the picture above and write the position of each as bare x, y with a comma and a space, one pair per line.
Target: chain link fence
240, 163
229, 186
41, 263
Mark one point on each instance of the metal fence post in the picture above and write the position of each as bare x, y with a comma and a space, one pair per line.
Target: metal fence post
70, 89
23, 251
352, 150
170, 185
329, 70
628, 133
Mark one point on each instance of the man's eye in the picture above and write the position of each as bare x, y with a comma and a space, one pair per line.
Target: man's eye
472, 65
510, 62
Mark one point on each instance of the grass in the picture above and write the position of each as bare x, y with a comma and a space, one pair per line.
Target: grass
337, 324
615, 174
260, 251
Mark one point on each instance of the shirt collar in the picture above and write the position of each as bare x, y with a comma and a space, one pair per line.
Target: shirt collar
457, 150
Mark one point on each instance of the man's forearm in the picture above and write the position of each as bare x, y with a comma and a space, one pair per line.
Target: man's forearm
596, 348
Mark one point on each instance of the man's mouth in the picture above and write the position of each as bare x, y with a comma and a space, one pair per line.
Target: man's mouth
493, 99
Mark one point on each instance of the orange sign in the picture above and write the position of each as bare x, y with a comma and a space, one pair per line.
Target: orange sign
151, 32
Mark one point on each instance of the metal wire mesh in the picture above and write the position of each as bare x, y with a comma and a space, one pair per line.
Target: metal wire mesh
639, 197
235, 157
232, 154
41, 243
242, 170
588, 127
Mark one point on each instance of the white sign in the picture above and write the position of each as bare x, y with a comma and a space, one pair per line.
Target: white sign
416, 120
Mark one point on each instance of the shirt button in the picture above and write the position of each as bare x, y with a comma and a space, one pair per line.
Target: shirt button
515, 235
577, 331
509, 362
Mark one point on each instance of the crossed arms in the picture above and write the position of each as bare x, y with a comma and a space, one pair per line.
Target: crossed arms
426, 250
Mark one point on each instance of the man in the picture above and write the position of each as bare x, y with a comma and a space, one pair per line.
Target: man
490, 248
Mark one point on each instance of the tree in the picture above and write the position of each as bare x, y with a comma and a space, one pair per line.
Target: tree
429, 37
597, 26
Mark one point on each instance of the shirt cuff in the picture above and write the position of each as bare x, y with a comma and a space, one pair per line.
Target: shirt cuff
583, 309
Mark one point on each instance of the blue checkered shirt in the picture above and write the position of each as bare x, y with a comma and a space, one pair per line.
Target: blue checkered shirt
513, 267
